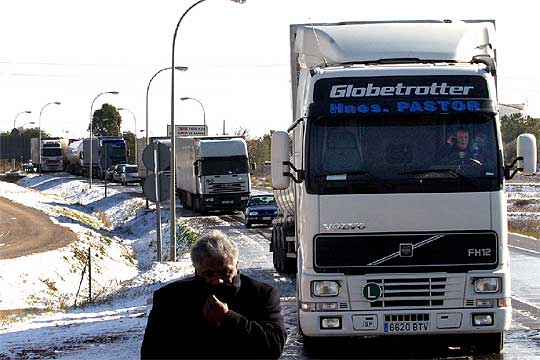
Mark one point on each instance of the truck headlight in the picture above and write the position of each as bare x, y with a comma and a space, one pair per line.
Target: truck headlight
209, 199
253, 213
323, 288
487, 285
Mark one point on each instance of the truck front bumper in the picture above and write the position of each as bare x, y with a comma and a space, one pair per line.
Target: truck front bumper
224, 201
404, 322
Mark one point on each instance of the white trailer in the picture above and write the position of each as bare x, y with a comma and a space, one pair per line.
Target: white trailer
212, 173
387, 236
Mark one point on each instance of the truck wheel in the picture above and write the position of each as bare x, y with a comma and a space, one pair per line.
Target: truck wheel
248, 224
288, 265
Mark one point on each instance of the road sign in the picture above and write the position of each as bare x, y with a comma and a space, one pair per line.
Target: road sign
164, 156
149, 187
188, 130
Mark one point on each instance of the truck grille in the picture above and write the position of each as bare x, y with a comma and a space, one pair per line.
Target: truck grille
219, 188
411, 292
404, 252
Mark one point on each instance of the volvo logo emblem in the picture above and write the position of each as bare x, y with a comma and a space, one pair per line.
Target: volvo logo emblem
406, 250
344, 226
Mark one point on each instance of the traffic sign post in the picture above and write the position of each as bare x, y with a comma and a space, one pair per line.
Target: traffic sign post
157, 157
188, 130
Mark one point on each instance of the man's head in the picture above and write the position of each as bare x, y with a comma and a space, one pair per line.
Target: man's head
215, 258
462, 139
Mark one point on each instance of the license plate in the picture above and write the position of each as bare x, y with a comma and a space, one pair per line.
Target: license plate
406, 326
227, 202
267, 218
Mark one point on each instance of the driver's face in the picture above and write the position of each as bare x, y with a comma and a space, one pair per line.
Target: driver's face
462, 140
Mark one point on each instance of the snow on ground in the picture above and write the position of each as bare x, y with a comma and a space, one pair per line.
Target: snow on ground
125, 234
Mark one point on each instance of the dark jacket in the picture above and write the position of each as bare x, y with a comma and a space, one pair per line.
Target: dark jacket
253, 327
452, 155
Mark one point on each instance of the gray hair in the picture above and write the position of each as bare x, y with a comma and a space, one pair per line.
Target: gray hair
214, 245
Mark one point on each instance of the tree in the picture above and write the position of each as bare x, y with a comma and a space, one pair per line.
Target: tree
33, 133
130, 145
106, 121
514, 125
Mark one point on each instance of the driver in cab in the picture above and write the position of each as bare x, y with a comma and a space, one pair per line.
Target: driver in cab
459, 149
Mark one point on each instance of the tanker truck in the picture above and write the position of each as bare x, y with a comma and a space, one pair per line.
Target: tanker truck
387, 234
73, 158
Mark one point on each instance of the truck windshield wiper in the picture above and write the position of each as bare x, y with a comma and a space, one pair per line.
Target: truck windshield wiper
451, 172
345, 175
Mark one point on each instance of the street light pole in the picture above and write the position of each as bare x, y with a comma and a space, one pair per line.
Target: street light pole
135, 132
202, 106
179, 68
91, 121
172, 215
173, 145
39, 137
16, 116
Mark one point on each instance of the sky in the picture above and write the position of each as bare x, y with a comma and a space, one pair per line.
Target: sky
237, 55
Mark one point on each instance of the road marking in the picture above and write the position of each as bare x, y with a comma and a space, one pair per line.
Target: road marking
525, 302
523, 249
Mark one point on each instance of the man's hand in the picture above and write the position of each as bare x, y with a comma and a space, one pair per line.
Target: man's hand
214, 310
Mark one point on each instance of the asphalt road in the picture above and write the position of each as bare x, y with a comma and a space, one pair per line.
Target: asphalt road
25, 231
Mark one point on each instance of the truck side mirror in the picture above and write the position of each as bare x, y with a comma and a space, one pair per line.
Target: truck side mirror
526, 149
196, 168
280, 154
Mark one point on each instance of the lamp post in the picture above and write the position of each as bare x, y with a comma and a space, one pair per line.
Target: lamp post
135, 132
26, 123
16, 116
179, 68
173, 147
91, 121
107, 151
202, 106
39, 126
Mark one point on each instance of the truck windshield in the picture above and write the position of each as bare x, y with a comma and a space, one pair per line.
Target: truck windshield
114, 151
404, 154
224, 166
52, 152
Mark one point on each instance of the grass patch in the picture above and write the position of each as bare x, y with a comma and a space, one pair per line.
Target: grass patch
525, 227
185, 238
8, 317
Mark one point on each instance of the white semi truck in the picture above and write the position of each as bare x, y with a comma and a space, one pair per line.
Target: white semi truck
212, 173
52, 154
388, 234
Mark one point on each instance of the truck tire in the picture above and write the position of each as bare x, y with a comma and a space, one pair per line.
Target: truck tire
282, 263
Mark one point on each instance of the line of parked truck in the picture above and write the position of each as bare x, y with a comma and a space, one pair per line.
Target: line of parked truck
212, 172
108, 160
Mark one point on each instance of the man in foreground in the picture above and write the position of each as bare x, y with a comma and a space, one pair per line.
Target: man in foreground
218, 313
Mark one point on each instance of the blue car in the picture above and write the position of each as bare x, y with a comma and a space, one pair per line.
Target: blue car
261, 209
